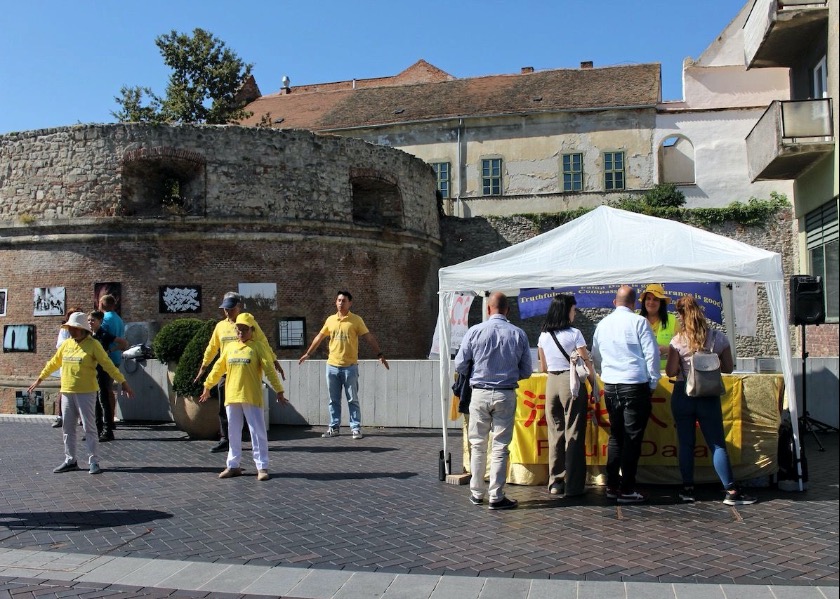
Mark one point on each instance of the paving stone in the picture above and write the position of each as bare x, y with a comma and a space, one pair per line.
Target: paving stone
379, 507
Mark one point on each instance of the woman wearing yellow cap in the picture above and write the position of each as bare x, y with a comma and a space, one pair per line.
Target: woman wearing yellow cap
245, 361
664, 324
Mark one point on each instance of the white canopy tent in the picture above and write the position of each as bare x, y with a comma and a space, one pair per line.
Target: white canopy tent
611, 246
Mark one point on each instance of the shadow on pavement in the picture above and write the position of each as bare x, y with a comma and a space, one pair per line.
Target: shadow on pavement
79, 520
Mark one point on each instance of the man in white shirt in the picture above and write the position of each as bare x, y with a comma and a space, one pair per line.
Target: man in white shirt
626, 356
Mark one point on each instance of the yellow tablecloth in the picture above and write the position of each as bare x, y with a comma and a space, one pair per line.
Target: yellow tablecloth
751, 408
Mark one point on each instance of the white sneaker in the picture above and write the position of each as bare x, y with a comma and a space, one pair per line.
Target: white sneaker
357, 434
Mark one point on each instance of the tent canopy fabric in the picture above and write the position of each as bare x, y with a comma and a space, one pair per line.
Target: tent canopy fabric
612, 246
609, 246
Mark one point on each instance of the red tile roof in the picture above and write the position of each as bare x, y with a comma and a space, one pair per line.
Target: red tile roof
436, 95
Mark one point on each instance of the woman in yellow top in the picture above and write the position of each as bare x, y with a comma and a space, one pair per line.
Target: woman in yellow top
244, 362
78, 357
224, 333
664, 324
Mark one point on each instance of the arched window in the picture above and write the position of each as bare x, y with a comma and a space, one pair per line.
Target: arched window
377, 200
676, 160
162, 181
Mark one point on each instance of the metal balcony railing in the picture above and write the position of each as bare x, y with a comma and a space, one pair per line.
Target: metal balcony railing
806, 120
790, 136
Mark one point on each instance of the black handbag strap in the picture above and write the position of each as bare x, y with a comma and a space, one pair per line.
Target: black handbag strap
560, 347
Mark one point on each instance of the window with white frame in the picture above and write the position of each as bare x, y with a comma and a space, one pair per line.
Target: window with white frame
443, 177
820, 80
821, 235
613, 171
291, 332
491, 177
572, 172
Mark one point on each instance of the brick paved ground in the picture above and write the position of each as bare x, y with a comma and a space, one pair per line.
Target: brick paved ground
376, 505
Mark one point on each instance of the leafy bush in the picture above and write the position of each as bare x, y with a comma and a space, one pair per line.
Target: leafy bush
666, 201
172, 339
191, 359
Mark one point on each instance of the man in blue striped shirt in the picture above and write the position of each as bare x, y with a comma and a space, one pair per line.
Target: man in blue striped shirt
500, 356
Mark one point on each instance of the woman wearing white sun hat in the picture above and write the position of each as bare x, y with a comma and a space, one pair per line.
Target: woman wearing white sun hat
78, 357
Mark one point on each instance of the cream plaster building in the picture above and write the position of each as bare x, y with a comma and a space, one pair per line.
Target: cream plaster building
536, 141
757, 117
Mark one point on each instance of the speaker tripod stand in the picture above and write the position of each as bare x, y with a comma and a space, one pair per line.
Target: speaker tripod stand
807, 423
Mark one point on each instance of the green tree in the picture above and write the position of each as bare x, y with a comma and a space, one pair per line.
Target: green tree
133, 110
206, 76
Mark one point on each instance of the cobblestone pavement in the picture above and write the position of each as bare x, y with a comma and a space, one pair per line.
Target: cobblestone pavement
376, 505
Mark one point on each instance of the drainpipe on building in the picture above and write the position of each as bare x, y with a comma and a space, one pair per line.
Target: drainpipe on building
459, 206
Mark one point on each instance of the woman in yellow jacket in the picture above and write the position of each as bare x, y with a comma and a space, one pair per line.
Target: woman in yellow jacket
78, 357
654, 304
244, 362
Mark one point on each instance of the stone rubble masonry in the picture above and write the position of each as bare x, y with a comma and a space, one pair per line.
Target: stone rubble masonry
262, 205
81, 205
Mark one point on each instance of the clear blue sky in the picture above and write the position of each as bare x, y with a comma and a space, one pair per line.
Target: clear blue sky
63, 61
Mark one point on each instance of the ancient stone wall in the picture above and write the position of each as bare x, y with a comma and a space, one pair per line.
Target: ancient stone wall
212, 207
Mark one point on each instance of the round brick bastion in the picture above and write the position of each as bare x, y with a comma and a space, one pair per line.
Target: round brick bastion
157, 207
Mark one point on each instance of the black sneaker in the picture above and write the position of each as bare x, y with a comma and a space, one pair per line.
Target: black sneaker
503, 504
219, 447
686, 495
611, 493
476, 500
66, 466
331, 432
736, 497
106, 436
57, 422
558, 488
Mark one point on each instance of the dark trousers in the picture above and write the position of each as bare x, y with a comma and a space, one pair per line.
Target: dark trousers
104, 413
629, 408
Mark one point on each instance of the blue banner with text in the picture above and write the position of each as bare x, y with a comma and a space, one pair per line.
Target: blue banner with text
535, 302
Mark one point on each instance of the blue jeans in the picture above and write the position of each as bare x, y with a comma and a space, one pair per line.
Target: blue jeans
347, 378
707, 412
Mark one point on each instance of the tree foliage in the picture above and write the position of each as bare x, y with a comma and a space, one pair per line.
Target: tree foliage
206, 76
191, 360
133, 109
173, 338
666, 201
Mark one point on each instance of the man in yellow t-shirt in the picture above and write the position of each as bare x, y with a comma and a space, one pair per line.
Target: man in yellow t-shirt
244, 362
344, 330
224, 333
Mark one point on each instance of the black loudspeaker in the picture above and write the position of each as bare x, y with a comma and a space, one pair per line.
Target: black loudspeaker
807, 300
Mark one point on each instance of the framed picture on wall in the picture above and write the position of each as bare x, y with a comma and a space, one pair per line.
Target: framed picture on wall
179, 299
29, 403
19, 338
291, 332
49, 301
3, 302
259, 296
115, 289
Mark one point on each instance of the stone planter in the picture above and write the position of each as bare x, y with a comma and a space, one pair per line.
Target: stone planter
198, 420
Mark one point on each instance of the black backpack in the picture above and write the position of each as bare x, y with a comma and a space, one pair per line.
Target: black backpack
787, 454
